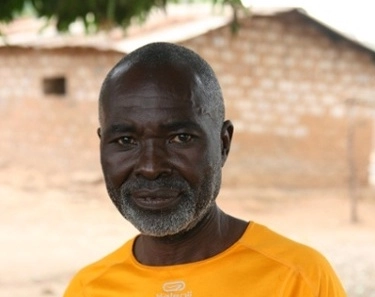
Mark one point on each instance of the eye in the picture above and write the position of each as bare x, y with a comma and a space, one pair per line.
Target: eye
181, 138
126, 140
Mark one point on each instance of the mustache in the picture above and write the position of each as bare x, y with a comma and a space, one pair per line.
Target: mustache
161, 182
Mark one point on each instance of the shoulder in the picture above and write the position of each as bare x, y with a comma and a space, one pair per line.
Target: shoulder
304, 263
272, 244
98, 268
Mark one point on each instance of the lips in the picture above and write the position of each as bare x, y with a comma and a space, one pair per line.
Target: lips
157, 199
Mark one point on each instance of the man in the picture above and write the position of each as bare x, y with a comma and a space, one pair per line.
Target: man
163, 142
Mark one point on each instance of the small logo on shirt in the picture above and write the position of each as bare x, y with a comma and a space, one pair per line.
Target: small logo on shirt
174, 286
174, 289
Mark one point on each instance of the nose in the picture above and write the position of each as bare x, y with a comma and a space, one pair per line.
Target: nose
153, 161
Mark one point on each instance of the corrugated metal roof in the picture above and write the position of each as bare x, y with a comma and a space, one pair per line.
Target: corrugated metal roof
178, 23
339, 32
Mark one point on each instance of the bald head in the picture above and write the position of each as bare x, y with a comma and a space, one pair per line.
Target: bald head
150, 62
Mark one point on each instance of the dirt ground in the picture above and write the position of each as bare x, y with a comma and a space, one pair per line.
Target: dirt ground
47, 233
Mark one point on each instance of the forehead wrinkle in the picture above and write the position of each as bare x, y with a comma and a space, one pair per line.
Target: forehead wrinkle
163, 97
146, 106
200, 110
194, 93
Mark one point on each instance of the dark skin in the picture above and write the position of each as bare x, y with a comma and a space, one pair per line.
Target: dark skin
153, 125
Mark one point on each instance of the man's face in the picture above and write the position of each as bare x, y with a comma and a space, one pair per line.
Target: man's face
161, 151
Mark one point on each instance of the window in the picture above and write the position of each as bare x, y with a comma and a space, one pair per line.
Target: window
54, 86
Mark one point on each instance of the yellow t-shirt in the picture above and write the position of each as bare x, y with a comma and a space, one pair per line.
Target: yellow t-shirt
260, 264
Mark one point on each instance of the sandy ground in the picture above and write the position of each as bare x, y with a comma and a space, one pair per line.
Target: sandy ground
47, 233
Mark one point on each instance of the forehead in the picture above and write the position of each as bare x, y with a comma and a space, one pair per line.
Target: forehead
150, 88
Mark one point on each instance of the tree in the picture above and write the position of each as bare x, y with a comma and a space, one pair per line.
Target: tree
100, 14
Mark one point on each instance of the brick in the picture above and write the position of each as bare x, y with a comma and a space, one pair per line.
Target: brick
255, 93
276, 73
239, 126
325, 64
251, 58
290, 120
282, 108
246, 81
259, 71
271, 61
243, 104
228, 56
263, 106
267, 117
249, 115
256, 128
234, 92
338, 111
267, 83
300, 109
286, 85
300, 132
328, 100
308, 63
282, 131
290, 61
316, 110
311, 98
228, 78
219, 41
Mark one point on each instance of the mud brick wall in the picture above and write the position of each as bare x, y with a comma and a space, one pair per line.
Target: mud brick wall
50, 134
285, 81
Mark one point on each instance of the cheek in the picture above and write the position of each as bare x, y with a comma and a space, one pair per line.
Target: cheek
212, 154
195, 165
116, 167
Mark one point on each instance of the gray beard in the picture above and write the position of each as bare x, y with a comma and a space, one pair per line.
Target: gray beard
193, 206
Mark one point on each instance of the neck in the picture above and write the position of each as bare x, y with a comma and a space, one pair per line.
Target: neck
213, 234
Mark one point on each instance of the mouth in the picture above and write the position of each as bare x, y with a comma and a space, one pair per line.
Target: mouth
156, 199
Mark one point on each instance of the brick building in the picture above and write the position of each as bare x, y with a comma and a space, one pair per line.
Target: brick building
299, 93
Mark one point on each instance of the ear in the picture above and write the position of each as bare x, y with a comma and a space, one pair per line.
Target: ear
226, 140
99, 132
